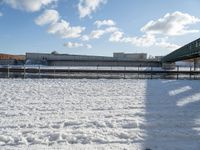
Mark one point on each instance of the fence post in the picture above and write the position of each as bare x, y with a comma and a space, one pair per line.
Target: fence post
124, 72
24, 72
138, 71
8, 73
177, 72
39, 72
68, 71
54, 72
151, 72
97, 71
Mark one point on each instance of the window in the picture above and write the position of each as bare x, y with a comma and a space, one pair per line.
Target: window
190, 47
197, 43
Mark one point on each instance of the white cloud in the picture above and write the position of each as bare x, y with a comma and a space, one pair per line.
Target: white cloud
147, 40
163, 43
96, 34
1, 14
86, 7
144, 41
58, 26
171, 24
28, 5
88, 46
64, 30
111, 29
100, 23
77, 45
85, 38
116, 36
167, 45
48, 17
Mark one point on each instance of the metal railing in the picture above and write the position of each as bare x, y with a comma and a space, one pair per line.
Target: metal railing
180, 72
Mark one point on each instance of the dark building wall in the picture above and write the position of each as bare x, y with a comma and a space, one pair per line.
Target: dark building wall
105, 63
84, 60
59, 57
8, 62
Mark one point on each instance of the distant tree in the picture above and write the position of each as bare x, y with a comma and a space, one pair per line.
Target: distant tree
54, 52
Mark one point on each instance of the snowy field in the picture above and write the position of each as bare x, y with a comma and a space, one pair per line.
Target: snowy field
99, 114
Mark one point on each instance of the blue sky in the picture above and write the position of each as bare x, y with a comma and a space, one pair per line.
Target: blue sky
97, 27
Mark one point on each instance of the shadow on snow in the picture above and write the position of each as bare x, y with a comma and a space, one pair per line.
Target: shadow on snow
172, 115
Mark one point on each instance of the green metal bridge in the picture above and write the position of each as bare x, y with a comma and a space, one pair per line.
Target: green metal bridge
189, 51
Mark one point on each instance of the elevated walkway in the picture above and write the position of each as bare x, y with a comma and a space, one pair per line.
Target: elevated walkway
189, 51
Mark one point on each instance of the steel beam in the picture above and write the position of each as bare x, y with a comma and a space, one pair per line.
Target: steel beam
189, 51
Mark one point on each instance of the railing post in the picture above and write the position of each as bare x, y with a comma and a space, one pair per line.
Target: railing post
151, 72
177, 72
68, 71
138, 71
54, 72
97, 71
190, 72
8, 73
24, 72
124, 72
39, 72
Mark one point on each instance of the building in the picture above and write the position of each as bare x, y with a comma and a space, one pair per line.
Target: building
61, 59
8, 56
7, 59
159, 58
130, 56
118, 59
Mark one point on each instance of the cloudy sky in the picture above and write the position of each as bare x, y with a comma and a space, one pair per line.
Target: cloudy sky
97, 27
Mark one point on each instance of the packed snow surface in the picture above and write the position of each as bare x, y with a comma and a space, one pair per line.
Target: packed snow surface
99, 114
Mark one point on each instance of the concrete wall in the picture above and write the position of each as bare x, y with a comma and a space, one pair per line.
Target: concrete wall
8, 62
196, 63
42, 56
105, 63
136, 56
130, 56
117, 56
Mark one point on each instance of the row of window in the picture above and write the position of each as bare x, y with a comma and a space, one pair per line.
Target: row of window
194, 44
198, 43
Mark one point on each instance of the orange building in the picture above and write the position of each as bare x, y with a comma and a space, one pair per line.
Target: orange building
13, 57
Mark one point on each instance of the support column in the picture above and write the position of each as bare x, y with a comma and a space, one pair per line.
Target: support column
168, 66
196, 63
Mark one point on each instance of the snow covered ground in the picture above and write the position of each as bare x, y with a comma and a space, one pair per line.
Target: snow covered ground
99, 114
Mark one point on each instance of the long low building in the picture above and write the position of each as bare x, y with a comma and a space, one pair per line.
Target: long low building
8, 56
55, 59
7, 59
131, 56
